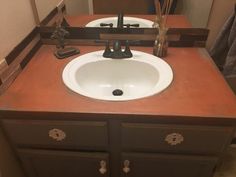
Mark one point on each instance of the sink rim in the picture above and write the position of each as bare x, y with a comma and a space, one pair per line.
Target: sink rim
93, 23
71, 68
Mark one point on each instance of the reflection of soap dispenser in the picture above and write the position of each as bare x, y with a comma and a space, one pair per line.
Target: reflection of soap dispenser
59, 35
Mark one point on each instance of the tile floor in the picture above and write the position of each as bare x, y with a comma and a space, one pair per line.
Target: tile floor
228, 166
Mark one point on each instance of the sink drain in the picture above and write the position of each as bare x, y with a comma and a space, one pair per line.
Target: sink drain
117, 92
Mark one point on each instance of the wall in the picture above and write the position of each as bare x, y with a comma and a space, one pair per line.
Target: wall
17, 21
76, 7
44, 7
221, 10
197, 11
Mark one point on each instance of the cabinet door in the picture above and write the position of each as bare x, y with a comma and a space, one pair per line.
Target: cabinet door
160, 165
42, 163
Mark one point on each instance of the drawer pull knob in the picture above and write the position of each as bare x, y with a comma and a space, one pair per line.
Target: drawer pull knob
57, 134
103, 168
126, 168
174, 139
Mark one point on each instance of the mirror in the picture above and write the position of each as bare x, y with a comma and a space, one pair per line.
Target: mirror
197, 12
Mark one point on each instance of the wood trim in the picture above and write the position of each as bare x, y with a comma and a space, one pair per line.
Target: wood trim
18, 58
80, 42
35, 12
10, 79
61, 5
51, 18
20, 47
130, 118
177, 37
29, 56
3, 65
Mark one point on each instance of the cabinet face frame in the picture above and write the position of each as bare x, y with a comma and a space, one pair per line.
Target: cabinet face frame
114, 129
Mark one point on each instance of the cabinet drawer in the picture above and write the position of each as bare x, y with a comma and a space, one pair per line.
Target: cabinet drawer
58, 134
175, 138
163, 165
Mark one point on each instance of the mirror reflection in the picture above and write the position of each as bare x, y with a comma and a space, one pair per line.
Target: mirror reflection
105, 12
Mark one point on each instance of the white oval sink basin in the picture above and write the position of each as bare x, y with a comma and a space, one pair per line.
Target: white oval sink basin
143, 23
97, 77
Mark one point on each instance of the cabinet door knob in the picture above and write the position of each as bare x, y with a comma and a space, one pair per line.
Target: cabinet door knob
174, 139
57, 134
103, 166
126, 168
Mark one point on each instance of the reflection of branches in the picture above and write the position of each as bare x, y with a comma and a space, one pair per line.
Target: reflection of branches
59, 34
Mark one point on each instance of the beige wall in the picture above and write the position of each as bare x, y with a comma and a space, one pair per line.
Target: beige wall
44, 7
221, 10
76, 7
17, 21
197, 11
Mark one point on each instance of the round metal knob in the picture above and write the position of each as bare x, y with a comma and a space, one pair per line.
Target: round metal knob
174, 138
57, 134
126, 168
103, 168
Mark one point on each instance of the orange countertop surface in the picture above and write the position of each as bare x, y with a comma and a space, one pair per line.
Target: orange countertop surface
198, 88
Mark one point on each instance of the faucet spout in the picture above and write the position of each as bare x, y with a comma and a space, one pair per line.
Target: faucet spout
120, 22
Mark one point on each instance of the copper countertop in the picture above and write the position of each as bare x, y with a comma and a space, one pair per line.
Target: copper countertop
198, 88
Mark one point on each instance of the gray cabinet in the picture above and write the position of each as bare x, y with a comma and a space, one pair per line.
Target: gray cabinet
175, 138
164, 165
53, 148
46, 163
83, 135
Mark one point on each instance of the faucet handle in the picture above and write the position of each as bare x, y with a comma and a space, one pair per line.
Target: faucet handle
107, 49
131, 25
127, 51
106, 24
107, 52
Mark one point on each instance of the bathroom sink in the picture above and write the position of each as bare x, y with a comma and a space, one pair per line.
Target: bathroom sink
94, 76
143, 23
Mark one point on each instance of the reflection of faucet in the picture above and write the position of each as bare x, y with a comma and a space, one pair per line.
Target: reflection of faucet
120, 21
117, 52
